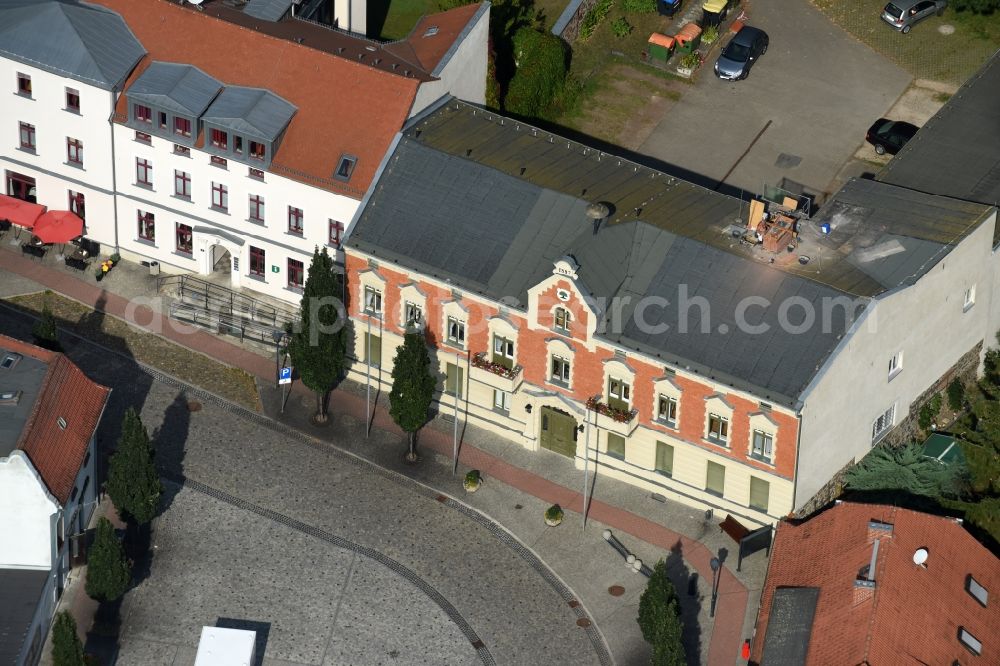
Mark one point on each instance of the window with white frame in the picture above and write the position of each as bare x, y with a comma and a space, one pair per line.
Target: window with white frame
501, 400
373, 301
666, 410
760, 491
563, 319
761, 445
896, 364
718, 428
619, 393
664, 459
456, 331
970, 298
412, 313
147, 226
503, 351
883, 423
560, 370
972, 644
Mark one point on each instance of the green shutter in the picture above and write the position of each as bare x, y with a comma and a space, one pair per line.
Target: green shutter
715, 481
616, 446
454, 377
373, 349
759, 491
664, 458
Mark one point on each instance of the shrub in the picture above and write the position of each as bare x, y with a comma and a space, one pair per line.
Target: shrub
710, 34
660, 619
621, 27
108, 573
473, 476
956, 394
639, 6
45, 331
492, 85
929, 412
541, 71
66, 647
594, 17
976, 6
554, 513
691, 60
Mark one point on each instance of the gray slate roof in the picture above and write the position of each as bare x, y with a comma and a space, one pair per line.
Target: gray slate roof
490, 204
20, 592
252, 111
957, 152
83, 42
789, 626
26, 376
182, 89
268, 10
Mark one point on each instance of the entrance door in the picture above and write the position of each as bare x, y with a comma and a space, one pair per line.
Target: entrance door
21, 187
558, 432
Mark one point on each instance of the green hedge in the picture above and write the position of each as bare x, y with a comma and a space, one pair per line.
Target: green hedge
541, 71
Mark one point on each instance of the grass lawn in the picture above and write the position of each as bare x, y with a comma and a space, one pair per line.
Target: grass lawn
551, 11
393, 19
925, 52
612, 95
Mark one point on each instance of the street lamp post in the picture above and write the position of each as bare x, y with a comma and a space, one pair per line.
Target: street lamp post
716, 567
277, 335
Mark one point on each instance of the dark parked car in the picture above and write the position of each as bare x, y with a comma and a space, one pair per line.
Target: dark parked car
904, 14
740, 53
889, 136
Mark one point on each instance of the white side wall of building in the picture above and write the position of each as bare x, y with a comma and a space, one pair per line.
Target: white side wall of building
54, 124
462, 72
929, 324
27, 515
352, 15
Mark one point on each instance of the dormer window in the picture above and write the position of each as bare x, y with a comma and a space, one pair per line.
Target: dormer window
142, 114
257, 150
220, 139
345, 167
182, 126
9, 360
238, 145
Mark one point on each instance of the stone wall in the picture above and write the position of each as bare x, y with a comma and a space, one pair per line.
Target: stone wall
568, 24
908, 430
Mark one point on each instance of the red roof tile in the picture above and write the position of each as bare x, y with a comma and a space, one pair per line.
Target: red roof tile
431, 48
914, 614
66, 393
343, 107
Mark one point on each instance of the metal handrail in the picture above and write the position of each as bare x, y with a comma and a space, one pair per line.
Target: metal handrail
220, 300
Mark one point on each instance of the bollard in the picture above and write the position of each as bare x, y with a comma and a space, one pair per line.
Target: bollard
615, 543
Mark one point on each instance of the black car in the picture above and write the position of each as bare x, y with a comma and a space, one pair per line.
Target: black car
889, 136
740, 53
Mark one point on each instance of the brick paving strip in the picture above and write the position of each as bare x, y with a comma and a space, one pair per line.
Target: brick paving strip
724, 647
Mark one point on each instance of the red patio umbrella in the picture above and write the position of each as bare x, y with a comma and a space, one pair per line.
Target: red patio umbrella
58, 226
22, 213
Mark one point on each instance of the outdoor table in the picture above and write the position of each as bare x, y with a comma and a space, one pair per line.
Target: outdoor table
35, 249
78, 259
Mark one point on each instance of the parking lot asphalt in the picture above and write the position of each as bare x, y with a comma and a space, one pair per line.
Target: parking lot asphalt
800, 114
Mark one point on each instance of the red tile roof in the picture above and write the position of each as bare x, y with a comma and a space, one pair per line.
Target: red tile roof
431, 48
914, 614
65, 393
344, 107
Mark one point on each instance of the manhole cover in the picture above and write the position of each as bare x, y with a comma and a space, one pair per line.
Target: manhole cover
518, 506
573, 603
786, 161
946, 29
583, 622
194, 406
616, 590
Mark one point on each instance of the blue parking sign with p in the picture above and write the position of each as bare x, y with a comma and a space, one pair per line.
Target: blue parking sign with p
285, 376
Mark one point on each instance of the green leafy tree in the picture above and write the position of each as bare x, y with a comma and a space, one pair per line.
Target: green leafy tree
67, 650
905, 469
929, 412
660, 619
318, 346
412, 387
108, 572
540, 58
45, 331
956, 394
133, 483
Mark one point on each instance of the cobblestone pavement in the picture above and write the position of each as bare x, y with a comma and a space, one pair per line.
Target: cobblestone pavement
213, 560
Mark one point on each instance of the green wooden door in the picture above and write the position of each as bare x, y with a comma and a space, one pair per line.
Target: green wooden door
558, 432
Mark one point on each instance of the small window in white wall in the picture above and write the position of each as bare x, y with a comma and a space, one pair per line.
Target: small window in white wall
896, 364
412, 313
969, 298
456, 332
883, 423
501, 400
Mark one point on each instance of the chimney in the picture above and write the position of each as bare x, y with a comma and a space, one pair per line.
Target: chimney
598, 212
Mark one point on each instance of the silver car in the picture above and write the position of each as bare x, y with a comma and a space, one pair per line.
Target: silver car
904, 14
